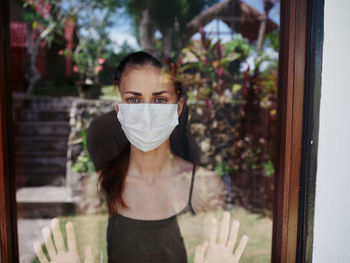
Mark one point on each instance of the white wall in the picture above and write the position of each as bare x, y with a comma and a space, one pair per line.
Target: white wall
332, 208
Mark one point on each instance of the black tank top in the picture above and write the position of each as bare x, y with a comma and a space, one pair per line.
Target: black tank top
147, 241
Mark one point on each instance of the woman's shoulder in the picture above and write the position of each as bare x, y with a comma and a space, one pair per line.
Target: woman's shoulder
202, 174
207, 179
209, 190
205, 173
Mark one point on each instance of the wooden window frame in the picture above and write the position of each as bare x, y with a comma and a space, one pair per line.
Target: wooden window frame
300, 59
8, 218
312, 97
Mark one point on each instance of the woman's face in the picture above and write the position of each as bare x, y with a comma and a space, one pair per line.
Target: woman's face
147, 84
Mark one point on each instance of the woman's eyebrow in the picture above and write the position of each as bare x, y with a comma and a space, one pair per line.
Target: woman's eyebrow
154, 93
134, 93
160, 92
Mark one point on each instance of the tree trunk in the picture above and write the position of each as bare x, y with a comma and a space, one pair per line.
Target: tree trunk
146, 31
167, 40
262, 30
268, 5
32, 75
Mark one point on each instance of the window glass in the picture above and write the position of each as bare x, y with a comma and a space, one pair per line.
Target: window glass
138, 121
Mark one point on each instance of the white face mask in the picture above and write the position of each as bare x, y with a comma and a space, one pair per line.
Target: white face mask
147, 125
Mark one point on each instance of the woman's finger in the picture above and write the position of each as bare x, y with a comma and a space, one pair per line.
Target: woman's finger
241, 247
233, 235
199, 252
206, 226
71, 240
224, 228
212, 231
48, 242
57, 235
88, 255
39, 253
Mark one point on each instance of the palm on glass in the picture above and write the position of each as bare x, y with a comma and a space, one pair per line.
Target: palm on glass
56, 248
221, 250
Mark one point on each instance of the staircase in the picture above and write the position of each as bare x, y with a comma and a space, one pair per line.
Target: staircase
41, 129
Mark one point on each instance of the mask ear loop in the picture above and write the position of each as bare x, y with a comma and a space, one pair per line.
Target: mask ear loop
191, 145
190, 149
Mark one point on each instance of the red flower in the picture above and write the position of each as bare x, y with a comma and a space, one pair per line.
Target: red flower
220, 71
98, 68
101, 61
75, 69
60, 52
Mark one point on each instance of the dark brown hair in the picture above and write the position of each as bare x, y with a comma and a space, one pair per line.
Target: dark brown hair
112, 177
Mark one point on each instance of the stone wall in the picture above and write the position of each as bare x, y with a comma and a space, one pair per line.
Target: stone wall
83, 184
215, 136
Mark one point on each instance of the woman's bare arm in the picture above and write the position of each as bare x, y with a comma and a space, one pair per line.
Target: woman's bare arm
209, 191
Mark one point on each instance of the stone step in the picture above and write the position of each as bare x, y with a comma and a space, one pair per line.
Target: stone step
22, 153
44, 202
31, 162
28, 115
41, 102
40, 176
41, 144
43, 128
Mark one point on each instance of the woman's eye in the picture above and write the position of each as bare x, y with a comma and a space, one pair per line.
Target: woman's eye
160, 100
133, 100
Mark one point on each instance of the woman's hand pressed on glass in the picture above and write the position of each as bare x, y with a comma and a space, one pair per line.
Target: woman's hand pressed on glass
221, 250
56, 248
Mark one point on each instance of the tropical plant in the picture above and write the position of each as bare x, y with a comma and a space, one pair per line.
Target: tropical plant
83, 162
46, 21
253, 153
93, 48
211, 69
214, 73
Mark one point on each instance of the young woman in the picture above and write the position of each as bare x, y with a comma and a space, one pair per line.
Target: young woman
155, 175
148, 185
